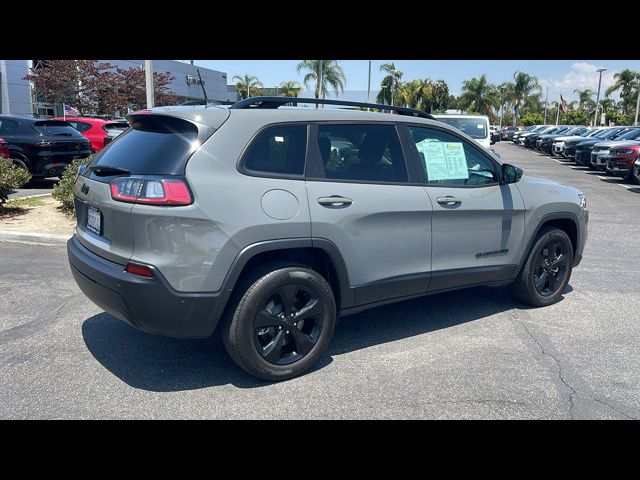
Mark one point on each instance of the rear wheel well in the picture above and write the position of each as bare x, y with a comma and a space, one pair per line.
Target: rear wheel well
567, 225
314, 258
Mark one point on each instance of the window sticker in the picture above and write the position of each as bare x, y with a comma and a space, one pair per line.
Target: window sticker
444, 160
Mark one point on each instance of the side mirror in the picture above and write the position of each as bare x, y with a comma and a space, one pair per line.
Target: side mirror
511, 173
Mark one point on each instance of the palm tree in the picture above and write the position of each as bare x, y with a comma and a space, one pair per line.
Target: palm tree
479, 96
332, 75
584, 98
391, 82
409, 94
626, 82
524, 86
247, 85
507, 95
290, 88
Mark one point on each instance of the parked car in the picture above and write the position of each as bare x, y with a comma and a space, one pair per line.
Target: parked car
558, 145
622, 160
530, 139
522, 138
601, 152
186, 225
545, 141
44, 147
114, 130
476, 126
515, 135
94, 129
494, 132
600, 135
557, 131
583, 149
506, 133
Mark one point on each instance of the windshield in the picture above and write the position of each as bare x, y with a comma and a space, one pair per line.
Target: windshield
474, 127
613, 132
630, 135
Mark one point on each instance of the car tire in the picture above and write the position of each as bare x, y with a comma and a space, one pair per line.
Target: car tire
537, 285
20, 163
275, 348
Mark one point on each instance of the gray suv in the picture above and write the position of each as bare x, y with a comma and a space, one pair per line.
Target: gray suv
269, 222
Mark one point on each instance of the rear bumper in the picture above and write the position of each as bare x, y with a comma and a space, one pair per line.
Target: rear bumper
149, 304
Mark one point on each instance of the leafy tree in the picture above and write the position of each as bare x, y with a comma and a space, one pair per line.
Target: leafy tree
524, 86
289, 88
616, 117
248, 85
585, 100
627, 83
531, 118
332, 75
575, 117
75, 82
130, 90
390, 84
479, 96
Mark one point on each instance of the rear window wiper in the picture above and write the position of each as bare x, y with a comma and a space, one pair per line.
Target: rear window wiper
104, 170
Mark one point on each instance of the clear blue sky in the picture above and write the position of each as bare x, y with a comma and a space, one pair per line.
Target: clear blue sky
561, 76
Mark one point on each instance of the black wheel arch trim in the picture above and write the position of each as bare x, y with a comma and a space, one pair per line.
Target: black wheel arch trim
546, 218
347, 294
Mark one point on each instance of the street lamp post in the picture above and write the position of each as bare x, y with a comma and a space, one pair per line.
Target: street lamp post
369, 83
148, 76
501, 105
546, 101
595, 120
635, 122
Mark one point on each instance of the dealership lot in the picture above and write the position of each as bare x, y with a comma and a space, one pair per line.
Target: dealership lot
469, 354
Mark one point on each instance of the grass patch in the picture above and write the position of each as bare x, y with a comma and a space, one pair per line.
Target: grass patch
18, 206
24, 203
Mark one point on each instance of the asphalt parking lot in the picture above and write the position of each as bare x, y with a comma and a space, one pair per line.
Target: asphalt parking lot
469, 354
35, 188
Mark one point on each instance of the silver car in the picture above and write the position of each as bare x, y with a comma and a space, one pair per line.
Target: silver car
268, 222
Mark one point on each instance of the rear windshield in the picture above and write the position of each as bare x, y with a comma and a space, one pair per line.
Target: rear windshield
154, 145
474, 127
55, 127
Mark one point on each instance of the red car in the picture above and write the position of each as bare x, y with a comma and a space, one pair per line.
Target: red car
622, 158
93, 129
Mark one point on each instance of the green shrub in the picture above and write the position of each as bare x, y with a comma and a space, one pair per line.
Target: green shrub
531, 119
63, 191
11, 177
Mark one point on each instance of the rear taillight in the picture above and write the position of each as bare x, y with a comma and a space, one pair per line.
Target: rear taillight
140, 270
151, 191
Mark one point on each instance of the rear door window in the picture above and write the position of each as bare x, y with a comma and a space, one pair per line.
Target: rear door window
155, 145
368, 153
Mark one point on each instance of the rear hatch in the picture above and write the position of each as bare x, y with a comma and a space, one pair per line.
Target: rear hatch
156, 147
60, 139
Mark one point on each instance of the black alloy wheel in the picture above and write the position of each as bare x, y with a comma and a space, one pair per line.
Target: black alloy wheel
550, 268
288, 324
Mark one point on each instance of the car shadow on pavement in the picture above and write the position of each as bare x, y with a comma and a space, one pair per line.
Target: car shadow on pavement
162, 364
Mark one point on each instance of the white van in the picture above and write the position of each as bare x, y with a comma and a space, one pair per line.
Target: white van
476, 126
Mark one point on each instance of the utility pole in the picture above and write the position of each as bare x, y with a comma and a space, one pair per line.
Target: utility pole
595, 120
637, 103
319, 80
501, 105
369, 84
148, 76
546, 101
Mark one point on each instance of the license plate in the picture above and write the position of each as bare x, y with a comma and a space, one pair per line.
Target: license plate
94, 220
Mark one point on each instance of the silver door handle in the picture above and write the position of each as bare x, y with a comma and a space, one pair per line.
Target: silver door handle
448, 200
335, 200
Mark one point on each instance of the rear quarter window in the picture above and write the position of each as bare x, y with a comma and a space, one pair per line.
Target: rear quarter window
278, 150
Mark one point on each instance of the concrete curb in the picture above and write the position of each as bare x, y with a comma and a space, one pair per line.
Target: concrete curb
40, 195
33, 238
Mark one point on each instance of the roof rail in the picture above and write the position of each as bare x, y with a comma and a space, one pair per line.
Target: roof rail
275, 102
